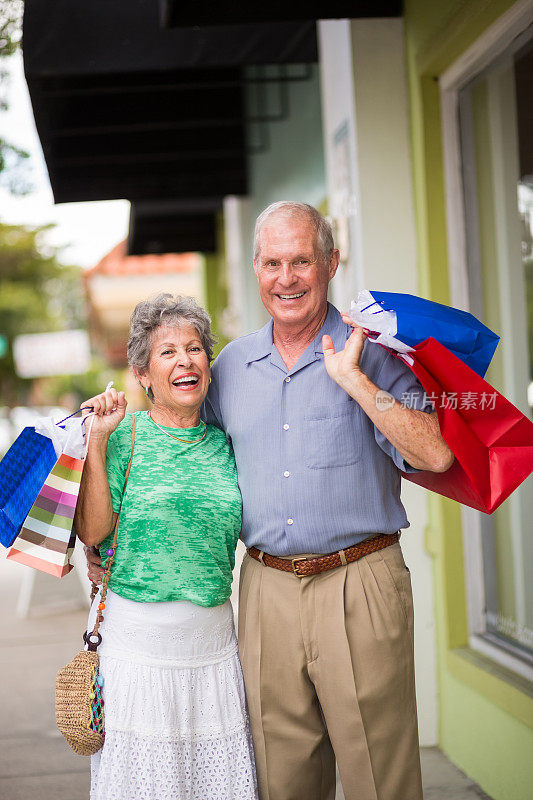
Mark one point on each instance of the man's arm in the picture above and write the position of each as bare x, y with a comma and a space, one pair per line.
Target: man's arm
415, 434
210, 410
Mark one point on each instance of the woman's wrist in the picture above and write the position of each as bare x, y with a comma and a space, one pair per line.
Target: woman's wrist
98, 442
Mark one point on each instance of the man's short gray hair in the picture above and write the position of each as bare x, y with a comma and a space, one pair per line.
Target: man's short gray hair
165, 309
324, 234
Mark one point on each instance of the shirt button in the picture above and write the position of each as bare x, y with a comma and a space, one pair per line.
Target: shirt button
286, 473
286, 427
288, 379
290, 521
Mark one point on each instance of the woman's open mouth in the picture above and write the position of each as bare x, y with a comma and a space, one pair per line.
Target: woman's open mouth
186, 382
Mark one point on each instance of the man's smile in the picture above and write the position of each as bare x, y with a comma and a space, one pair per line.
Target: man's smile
290, 296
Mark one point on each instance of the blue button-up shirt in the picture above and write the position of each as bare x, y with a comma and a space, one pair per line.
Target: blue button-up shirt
315, 474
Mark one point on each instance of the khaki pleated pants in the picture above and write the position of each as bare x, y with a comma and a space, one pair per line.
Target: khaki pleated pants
329, 674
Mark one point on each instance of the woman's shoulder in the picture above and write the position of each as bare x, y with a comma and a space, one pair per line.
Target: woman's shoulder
218, 439
122, 433
216, 434
125, 425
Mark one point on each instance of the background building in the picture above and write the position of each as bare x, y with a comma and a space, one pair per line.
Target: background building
413, 129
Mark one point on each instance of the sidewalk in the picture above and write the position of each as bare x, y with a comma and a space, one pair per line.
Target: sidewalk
35, 760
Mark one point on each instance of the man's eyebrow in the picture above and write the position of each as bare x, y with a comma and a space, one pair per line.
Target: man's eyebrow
298, 255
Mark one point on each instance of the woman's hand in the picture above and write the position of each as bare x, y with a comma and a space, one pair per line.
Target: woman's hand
109, 409
95, 569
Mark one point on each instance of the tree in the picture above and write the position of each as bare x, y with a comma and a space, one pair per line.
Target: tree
12, 158
10, 26
37, 294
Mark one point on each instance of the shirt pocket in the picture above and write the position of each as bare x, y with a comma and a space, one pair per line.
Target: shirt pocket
332, 435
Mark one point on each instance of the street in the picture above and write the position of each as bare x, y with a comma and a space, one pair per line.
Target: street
36, 762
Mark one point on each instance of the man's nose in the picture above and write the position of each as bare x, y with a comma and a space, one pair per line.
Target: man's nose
286, 275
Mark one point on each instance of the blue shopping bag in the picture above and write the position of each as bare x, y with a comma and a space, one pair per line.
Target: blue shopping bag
418, 319
23, 470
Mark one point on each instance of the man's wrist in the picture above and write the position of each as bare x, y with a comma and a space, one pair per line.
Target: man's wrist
354, 382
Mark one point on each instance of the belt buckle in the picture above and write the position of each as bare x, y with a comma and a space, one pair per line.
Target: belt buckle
293, 562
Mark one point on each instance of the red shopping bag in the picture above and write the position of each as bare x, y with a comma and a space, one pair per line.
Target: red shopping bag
491, 439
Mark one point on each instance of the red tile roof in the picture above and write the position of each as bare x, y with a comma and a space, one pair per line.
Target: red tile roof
116, 262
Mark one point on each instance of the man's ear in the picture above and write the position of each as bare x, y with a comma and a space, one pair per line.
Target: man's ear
333, 263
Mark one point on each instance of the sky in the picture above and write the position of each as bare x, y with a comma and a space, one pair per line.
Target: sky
85, 231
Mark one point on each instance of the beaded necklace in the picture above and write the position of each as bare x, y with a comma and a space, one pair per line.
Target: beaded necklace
185, 441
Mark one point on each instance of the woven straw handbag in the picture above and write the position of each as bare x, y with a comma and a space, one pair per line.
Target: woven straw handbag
79, 685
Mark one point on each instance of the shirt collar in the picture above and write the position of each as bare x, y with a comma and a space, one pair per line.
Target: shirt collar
333, 326
262, 344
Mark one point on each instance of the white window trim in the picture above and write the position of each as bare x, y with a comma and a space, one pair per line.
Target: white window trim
485, 50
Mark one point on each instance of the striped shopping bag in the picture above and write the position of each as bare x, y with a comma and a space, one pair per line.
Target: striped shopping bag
47, 538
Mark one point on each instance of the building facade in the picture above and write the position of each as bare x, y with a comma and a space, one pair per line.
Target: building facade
416, 137
413, 131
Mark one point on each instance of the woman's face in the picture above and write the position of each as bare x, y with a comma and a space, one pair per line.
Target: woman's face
178, 373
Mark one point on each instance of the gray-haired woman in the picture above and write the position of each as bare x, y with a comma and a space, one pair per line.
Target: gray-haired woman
175, 713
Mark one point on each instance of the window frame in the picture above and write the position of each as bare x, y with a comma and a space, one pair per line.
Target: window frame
501, 39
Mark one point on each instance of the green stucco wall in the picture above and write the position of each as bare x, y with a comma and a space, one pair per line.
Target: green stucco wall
291, 165
486, 714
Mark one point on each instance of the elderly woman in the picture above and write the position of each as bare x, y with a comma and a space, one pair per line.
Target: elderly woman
175, 712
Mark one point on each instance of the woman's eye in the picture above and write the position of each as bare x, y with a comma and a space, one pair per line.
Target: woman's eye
195, 349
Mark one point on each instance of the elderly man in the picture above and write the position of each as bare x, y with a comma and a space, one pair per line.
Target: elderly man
325, 610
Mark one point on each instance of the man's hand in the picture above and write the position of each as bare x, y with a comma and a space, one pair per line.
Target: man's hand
94, 563
343, 366
413, 433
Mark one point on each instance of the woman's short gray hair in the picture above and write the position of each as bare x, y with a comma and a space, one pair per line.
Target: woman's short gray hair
165, 309
324, 234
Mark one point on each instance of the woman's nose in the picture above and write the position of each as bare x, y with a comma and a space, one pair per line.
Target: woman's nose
184, 358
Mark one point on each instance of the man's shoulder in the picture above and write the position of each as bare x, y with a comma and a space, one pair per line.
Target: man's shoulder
238, 350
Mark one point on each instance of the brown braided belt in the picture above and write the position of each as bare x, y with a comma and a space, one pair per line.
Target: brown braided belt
304, 567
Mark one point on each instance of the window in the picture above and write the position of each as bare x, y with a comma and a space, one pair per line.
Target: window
488, 133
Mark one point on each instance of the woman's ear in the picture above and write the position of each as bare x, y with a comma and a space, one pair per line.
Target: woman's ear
143, 380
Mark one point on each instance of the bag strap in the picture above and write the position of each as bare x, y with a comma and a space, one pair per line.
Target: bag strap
109, 563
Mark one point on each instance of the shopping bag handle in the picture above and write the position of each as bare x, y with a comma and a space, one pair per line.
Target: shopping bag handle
83, 408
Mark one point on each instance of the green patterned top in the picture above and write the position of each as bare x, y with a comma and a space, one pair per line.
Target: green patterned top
181, 515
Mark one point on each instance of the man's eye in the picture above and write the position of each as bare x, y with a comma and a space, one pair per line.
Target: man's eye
302, 262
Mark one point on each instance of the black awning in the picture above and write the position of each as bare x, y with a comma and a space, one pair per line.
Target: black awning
73, 38
127, 109
137, 136
174, 226
182, 13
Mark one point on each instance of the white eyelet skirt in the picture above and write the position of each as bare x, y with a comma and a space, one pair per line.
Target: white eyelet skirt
176, 725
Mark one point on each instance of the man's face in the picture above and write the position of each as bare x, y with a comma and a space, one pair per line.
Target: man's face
293, 277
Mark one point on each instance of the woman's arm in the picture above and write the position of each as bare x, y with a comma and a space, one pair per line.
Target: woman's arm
94, 518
